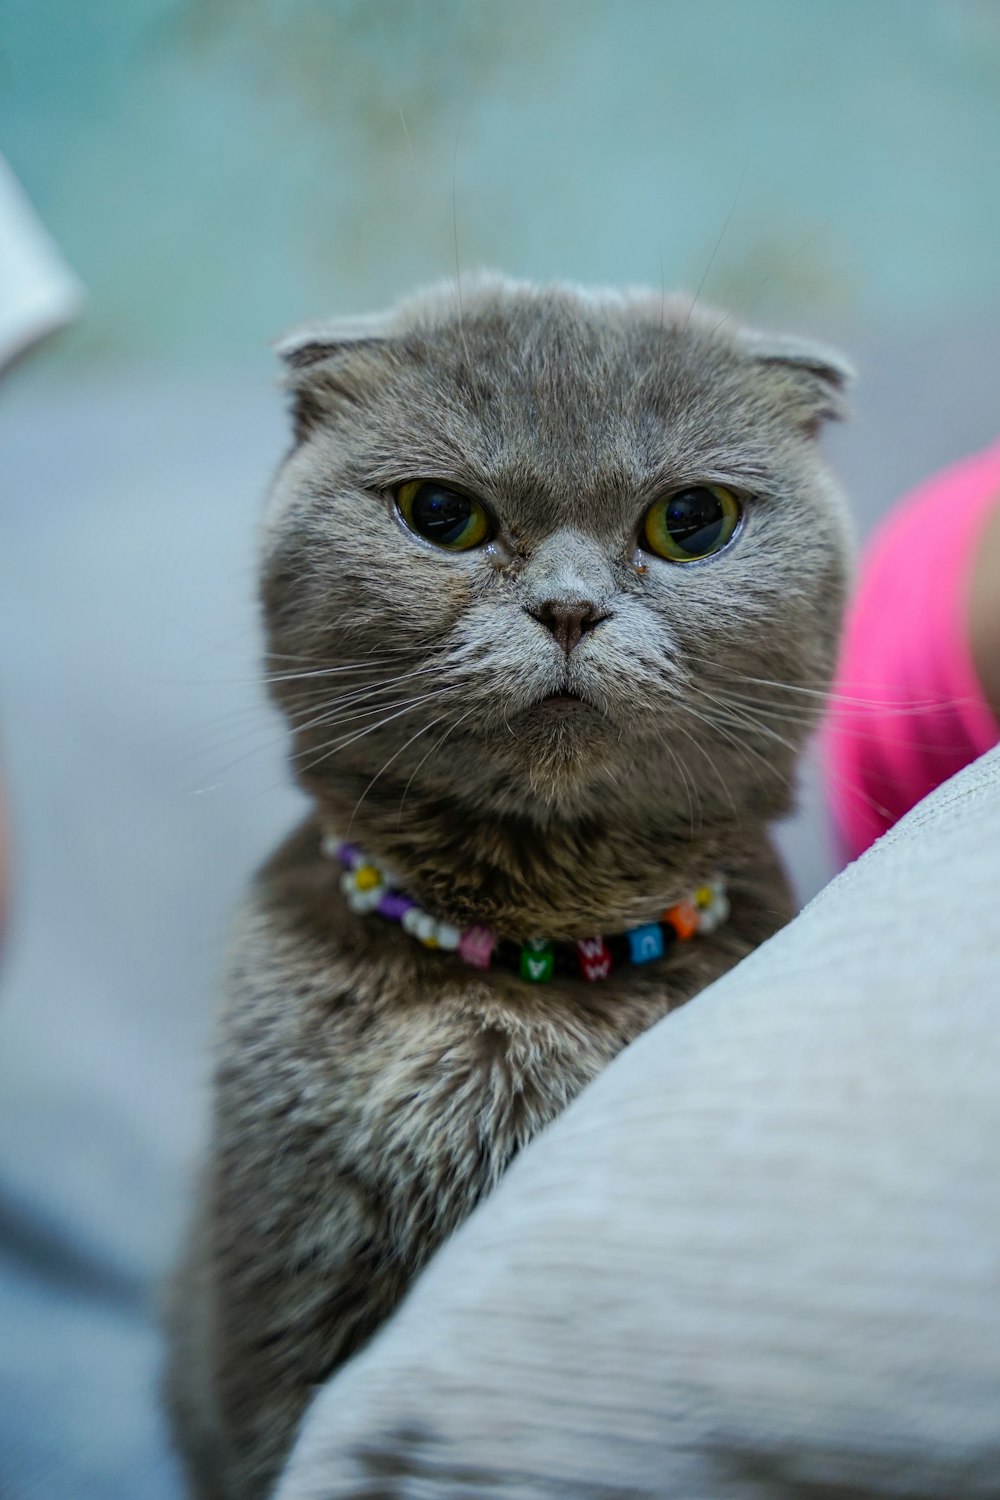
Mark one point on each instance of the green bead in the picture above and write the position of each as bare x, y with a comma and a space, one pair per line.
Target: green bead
538, 962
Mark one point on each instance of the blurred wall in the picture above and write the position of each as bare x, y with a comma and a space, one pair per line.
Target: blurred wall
217, 169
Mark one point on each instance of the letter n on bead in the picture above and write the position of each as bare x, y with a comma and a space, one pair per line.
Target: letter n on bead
645, 944
595, 958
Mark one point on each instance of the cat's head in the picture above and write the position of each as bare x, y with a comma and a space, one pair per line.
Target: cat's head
543, 551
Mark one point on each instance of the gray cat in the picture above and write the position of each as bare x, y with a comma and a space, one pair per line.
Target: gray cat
547, 576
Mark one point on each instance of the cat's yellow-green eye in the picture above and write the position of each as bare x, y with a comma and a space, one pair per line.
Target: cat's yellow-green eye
448, 518
692, 523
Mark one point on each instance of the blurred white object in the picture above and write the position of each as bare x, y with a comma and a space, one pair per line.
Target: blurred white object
38, 291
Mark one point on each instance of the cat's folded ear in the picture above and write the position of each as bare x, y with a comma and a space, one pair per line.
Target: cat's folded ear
811, 379
330, 363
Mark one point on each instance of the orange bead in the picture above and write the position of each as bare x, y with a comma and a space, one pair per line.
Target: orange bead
683, 918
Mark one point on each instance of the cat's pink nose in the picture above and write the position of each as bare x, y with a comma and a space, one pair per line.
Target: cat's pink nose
568, 620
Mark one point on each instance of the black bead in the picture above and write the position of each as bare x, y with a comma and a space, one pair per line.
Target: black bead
669, 934
619, 948
507, 954
565, 958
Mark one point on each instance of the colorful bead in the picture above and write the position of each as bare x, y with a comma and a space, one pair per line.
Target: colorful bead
368, 887
645, 943
394, 906
683, 918
476, 946
537, 961
425, 928
713, 916
364, 900
594, 957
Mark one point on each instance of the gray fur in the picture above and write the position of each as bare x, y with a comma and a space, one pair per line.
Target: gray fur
369, 1092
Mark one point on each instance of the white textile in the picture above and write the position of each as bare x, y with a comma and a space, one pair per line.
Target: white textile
759, 1257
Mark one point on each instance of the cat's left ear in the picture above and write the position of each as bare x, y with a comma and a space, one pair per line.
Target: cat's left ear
329, 363
813, 379
313, 343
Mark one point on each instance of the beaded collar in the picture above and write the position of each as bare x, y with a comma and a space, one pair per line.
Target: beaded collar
373, 888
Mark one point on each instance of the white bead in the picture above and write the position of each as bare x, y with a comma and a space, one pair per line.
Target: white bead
448, 937
410, 920
358, 901
371, 898
424, 927
347, 884
713, 916
330, 845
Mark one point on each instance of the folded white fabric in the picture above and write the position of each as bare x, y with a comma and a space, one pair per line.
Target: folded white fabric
760, 1256
38, 292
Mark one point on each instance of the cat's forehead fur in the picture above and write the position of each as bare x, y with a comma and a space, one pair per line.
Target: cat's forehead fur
582, 396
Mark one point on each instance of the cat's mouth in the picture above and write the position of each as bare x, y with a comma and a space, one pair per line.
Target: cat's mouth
563, 702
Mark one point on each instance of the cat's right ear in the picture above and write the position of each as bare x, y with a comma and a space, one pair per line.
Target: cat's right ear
329, 363
811, 380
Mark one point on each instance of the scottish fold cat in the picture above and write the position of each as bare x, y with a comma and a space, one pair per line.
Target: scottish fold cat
551, 581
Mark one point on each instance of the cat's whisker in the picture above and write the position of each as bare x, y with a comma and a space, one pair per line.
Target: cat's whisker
705, 753
743, 751
281, 737
744, 718
779, 270
331, 712
433, 749
903, 705
315, 673
359, 695
718, 243
686, 780
335, 746
832, 774
424, 729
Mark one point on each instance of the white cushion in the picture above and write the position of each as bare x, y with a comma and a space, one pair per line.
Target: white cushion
760, 1256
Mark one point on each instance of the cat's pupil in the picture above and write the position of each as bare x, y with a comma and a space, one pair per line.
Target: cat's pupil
694, 518
439, 514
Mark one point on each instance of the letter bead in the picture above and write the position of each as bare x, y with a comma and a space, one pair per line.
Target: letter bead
538, 961
594, 957
645, 943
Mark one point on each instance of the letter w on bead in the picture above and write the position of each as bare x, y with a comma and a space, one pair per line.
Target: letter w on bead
595, 958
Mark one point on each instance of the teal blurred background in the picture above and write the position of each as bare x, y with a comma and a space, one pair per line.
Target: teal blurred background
218, 169
214, 172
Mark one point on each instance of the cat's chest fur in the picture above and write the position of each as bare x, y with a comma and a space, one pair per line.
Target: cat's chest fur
403, 1073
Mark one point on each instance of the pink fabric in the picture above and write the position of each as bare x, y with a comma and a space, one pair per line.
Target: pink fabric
911, 711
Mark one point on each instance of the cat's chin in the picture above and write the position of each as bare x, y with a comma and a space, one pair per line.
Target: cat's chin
558, 746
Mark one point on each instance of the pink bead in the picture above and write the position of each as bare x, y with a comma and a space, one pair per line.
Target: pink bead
476, 946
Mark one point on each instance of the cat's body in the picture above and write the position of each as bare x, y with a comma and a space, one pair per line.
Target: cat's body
553, 732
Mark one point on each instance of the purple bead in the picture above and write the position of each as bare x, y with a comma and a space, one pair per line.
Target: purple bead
349, 855
394, 906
